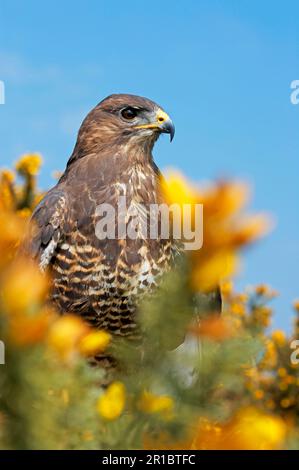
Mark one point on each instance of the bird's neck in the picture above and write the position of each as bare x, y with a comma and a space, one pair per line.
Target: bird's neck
130, 163
137, 150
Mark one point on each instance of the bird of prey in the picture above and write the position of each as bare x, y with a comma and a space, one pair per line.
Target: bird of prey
102, 279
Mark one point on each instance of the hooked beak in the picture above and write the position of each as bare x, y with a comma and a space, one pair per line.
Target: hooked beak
162, 122
168, 127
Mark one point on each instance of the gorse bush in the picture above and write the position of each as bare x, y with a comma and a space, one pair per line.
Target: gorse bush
196, 381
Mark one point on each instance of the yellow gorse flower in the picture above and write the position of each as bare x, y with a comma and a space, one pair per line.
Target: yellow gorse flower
70, 335
28, 330
227, 289
8, 176
265, 290
12, 230
249, 429
226, 229
160, 404
238, 308
29, 164
178, 190
7, 190
215, 328
112, 402
24, 288
94, 343
65, 335
259, 394
282, 372
279, 337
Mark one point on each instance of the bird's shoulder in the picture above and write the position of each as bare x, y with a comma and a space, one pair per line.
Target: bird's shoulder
45, 227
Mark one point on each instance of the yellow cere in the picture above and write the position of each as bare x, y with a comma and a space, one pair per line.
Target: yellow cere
161, 117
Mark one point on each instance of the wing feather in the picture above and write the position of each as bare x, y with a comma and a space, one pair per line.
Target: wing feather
46, 227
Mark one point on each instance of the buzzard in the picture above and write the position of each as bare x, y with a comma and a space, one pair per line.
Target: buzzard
99, 278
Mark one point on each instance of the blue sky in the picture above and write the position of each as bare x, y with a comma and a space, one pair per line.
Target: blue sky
222, 69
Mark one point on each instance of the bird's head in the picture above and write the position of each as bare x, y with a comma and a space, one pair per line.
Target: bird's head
134, 116
123, 119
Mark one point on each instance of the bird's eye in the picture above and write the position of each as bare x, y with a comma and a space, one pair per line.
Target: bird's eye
129, 113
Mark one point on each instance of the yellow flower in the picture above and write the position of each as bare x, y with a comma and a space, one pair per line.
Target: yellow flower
270, 357
8, 176
279, 337
94, 343
12, 229
282, 372
251, 373
227, 288
238, 308
242, 298
24, 287
262, 315
250, 429
7, 190
227, 197
161, 404
29, 164
24, 213
111, 403
259, 431
27, 330
265, 291
225, 230
251, 229
259, 394
289, 379
296, 305
65, 335
215, 328
178, 190
208, 272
